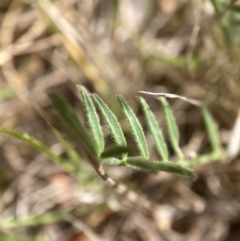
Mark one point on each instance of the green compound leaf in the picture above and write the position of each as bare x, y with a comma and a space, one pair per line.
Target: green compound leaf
155, 130
73, 123
135, 127
111, 121
93, 121
170, 167
212, 130
172, 128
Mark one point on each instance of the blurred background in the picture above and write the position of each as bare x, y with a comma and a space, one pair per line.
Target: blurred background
185, 47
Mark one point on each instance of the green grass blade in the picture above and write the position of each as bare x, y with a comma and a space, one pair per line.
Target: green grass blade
155, 130
114, 151
111, 121
73, 123
72, 154
135, 127
212, 130
6, 93
172, 128
40, 147
93, 120
48, 218
169, 167
73, 157
17, 237
80, 170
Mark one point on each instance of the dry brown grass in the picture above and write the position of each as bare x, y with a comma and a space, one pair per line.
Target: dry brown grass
172, 46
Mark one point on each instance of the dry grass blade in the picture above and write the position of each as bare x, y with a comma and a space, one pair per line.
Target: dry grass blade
80, 48
173, 96
28, 47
